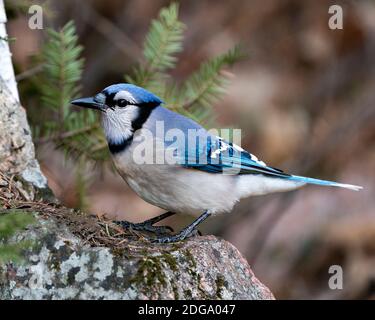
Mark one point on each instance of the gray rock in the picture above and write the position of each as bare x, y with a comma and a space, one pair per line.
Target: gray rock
17, 155
61, 266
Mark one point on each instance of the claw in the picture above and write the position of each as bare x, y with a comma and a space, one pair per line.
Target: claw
145, 226
189, 231
184, 234
154, 229
148, 225
163, 232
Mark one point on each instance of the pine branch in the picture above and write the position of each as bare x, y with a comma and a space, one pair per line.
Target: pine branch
77, 132
162, 43
164, 40
207, 84
62, 70
89, 144
66, 134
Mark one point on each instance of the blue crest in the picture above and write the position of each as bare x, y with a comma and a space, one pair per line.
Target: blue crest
142, 96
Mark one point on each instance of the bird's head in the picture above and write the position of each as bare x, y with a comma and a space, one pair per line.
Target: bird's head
124, 108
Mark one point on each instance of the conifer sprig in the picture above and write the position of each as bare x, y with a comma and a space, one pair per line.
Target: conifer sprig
62, 69
163, 42
207, 84
76, 131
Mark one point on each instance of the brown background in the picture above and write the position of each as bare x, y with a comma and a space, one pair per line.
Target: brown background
305, 100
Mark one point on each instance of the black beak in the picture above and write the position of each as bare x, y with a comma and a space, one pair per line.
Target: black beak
88, 103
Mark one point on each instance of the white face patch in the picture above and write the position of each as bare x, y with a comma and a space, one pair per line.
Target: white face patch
126, 95
117, 123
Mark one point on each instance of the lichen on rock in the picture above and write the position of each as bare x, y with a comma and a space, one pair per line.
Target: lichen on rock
61, 266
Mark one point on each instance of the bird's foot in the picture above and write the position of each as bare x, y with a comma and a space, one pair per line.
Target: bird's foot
188, 232
175, 238
148, 225
145, 226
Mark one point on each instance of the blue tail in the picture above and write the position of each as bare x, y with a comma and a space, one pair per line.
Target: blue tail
324, 183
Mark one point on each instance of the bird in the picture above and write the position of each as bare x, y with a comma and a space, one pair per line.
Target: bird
197, 172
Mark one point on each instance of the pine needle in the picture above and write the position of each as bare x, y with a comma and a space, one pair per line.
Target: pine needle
207, 84
163, 42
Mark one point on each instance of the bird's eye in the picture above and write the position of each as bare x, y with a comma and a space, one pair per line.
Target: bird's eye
122, 103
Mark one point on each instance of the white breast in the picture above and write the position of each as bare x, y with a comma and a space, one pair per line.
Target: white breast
191, 191
177, 189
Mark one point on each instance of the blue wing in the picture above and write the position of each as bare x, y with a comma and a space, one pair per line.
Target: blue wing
206, 152
220, 156
217, 156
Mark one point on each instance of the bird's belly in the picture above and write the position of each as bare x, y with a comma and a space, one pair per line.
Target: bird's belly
178, 189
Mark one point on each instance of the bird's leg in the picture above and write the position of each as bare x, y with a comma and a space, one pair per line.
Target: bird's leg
148, 225
184, 233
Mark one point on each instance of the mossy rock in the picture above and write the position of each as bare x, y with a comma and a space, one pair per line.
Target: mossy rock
62, 266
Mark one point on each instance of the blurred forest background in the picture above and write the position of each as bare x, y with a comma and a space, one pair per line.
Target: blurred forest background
304, 99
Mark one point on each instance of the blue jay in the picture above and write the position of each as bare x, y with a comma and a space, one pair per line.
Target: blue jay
130, 116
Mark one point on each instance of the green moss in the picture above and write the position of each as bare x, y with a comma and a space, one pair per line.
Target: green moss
170, 260
176, 246
190, 259
150, 276
144, 252
220, 283
188, 294
2, 275
117, 252
192, 265
122, 253
55, 257
150, 273
175, 292
37, 245
204, 294
195, 276
11, 222
57, 266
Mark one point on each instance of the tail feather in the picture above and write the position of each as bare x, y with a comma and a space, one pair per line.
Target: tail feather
324, 183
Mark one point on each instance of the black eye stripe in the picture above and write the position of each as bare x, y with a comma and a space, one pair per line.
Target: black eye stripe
111, 103
122, 103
